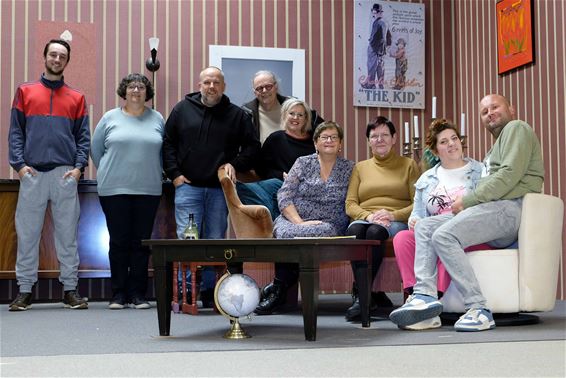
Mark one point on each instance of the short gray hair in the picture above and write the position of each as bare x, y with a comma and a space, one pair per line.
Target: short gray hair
267, 73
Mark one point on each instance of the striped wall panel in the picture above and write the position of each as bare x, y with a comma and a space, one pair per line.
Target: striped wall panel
186, 29
536, 90
461, 62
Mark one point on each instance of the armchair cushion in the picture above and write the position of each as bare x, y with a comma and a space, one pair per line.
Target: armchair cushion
522, 279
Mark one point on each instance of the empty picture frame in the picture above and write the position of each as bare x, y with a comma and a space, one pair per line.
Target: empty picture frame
239, 65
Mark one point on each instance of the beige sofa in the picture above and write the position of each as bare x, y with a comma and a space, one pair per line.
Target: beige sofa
523, 279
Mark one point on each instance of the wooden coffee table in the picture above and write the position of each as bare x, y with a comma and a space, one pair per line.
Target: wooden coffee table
308, 253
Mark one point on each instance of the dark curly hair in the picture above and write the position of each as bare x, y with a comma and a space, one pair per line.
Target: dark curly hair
436, 127
378, 121
135, 78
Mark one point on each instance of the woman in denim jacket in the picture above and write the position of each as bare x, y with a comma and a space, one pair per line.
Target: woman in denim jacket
435, 190
429, 180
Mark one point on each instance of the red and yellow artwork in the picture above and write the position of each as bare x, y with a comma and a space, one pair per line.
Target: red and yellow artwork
514, 34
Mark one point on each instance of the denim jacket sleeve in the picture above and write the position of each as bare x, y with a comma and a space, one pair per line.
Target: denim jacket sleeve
423, 186
474, 174
429, 180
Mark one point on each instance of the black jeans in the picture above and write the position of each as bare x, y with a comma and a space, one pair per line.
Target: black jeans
129, 219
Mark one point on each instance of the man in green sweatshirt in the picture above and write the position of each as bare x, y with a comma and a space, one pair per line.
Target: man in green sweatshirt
491, 214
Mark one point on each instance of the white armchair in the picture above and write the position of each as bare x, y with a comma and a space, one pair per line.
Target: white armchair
523, 279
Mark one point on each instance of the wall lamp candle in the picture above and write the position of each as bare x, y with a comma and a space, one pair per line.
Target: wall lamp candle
152, 64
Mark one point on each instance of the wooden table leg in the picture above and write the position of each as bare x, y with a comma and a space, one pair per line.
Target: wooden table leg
309, 279
163, 291
362, 277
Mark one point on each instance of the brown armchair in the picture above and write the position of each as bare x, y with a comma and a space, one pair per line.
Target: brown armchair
248, 221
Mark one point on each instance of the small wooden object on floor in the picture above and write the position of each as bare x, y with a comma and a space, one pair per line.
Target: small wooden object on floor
186, 307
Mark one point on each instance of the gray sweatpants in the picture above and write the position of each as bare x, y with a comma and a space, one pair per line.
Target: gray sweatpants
445, 236
35, 193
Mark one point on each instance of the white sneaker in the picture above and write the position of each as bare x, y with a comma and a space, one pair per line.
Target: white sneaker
417, 308
139, 303
115, 306
476, 319
425, 324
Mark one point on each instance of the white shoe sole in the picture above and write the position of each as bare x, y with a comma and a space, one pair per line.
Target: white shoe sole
432, 323
474, 327
143, 306
82, 306
20, 308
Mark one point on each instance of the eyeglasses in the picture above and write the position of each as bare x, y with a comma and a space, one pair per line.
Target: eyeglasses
267, 88
379, 136
298, 115
139, 87
329, 138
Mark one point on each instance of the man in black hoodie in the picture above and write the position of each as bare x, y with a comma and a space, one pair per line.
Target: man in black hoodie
204, 132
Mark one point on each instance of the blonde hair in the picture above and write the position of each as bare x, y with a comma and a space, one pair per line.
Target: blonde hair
288, 104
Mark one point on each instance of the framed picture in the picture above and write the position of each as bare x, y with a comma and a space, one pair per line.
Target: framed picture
241, 63
389, 54
514, 34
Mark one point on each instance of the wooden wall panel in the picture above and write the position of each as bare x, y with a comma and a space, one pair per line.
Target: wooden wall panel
186, 29
535, 90
461, 62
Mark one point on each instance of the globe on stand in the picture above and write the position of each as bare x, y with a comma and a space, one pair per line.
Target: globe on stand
235, 296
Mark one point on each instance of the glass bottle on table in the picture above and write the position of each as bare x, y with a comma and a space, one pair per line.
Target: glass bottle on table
191, 231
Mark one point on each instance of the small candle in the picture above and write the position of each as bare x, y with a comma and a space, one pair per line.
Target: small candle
416, 126
433, 107
406, 132
463, 124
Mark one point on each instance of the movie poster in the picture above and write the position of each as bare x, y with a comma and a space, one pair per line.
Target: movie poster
389, 54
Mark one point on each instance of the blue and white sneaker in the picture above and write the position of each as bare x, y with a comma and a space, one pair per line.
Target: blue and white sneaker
417, 308
476, 319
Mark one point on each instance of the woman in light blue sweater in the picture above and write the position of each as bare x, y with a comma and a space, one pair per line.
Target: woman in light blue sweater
126, 150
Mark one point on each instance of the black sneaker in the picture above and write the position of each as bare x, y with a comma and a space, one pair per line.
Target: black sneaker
117, 302
139, 303
73, 300
21, 303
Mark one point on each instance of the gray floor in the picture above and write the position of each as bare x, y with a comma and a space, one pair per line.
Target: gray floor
50, 341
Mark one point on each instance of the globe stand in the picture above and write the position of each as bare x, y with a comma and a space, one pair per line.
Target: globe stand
236, 332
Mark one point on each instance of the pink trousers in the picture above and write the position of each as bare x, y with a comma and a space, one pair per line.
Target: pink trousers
404, 247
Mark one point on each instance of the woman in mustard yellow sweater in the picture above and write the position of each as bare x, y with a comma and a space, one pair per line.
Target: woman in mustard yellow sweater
380, 198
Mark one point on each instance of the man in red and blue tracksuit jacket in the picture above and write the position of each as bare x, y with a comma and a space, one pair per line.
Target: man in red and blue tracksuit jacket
49, 142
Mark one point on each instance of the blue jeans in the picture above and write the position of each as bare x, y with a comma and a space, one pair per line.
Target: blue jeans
208, 206
262, 192
445, 236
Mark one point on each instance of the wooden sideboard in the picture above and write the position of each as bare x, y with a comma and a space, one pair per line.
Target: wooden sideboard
92, 238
